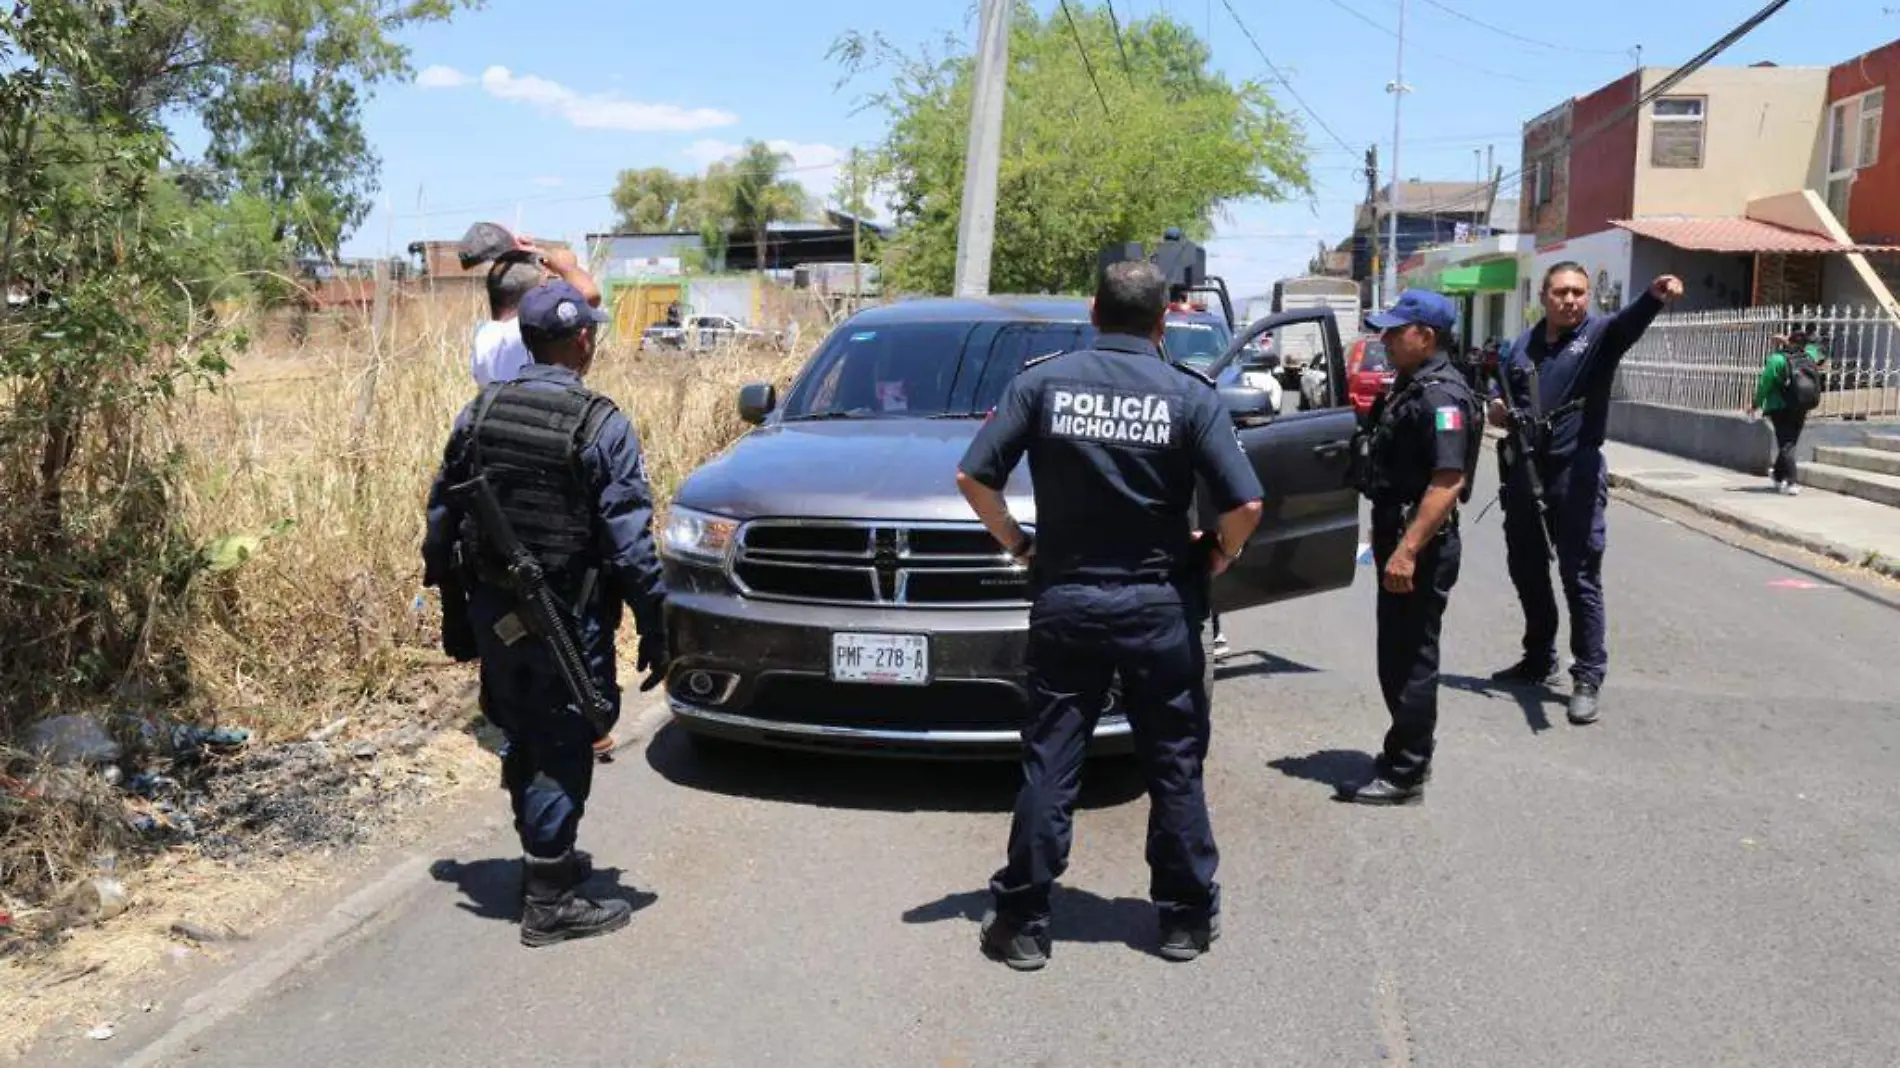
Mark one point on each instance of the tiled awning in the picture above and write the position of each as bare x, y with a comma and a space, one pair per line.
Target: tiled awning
1741, 235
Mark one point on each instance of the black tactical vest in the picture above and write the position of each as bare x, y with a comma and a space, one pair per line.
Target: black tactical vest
1386, 481
528, 443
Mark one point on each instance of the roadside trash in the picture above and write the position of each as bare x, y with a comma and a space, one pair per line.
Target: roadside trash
329, 730
101, 1032
188, 739
70, 740
112, 774
365, 751
6, 920
99, 899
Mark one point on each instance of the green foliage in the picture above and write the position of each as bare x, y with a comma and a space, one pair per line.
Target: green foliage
278, 85
744, 196
658, 200
1168, 142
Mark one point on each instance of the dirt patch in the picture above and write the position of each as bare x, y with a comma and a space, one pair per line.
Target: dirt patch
211, 845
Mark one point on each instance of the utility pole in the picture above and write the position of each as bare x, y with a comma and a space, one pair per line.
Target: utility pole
976, 227
1398, 89
1373, 267
857, 235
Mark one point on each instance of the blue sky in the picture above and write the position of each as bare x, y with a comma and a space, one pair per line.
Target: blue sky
524, 116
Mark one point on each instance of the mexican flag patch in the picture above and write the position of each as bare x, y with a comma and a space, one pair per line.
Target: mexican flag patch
1450, 419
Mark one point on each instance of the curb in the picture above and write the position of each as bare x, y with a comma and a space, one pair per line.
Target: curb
334, 930
1833, 550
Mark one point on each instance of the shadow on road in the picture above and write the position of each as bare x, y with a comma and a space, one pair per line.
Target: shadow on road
1075, 916
493, 887
1337, 768
1259, 663
1530, 699
866, 782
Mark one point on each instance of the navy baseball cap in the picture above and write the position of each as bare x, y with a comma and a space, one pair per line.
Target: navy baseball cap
556, 309
1420, 306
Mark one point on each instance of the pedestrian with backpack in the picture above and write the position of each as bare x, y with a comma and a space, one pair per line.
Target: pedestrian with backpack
1788, 389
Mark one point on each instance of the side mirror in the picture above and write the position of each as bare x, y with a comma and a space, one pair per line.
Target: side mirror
1246, 404
756, 401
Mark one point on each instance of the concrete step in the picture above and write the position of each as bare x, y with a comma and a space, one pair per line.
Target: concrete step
1884, 442
1874, 460
1880, 489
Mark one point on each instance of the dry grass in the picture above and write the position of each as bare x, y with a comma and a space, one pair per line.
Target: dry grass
325, 611
322, 450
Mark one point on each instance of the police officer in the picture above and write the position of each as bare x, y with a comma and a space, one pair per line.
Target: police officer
1116, 436
1555, 380
567, 471
1423, 449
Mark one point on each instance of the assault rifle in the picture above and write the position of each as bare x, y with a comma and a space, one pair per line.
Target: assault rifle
535, 603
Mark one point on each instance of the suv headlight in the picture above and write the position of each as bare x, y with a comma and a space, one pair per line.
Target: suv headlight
697, 537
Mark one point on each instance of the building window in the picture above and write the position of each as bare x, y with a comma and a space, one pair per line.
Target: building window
1675, 138
1871, 106
1541, 174
1853, 142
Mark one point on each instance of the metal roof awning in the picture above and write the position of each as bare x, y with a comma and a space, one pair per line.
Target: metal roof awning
1734, 234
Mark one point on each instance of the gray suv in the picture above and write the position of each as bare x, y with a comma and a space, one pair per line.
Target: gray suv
829, 587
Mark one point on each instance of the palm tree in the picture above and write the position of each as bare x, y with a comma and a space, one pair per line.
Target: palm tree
762, 195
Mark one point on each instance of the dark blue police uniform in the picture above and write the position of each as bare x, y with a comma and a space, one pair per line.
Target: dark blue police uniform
1428, 423
597, 558
1116, 436
1572, 378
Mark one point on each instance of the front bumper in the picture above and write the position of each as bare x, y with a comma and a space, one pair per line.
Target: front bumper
768, 667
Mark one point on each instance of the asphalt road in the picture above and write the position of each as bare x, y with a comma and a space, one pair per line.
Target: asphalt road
1707, 877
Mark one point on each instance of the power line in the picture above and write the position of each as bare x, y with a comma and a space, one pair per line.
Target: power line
1086, 65
1119, 45
1675, 78
1462, 62
1282, 79
1502, 32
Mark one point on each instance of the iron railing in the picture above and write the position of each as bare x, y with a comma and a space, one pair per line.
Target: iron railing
1711, 361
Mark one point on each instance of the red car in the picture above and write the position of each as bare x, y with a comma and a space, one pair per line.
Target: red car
1368, 373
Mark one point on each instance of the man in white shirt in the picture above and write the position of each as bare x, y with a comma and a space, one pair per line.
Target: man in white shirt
498, 354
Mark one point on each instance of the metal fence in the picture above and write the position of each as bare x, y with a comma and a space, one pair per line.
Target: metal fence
1711, 361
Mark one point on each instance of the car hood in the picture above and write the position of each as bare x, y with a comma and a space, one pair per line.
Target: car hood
895, 469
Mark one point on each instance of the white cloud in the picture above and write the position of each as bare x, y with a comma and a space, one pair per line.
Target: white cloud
550, 181
599, 111
440, 77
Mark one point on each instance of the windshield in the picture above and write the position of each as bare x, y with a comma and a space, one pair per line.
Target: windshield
1373, 356
1197, 342
913, 370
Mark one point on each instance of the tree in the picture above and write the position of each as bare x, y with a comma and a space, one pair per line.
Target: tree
278, 85
756, 193
657, 200
1168, 142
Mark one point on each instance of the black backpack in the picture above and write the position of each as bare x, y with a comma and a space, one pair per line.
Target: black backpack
1801, 389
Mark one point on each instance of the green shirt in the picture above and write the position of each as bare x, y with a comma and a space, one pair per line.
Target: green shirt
1774, 375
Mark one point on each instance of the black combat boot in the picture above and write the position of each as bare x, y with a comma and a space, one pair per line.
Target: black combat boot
1003, 941
554, 912
583, 871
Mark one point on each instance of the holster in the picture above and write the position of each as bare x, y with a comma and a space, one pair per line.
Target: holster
458, 634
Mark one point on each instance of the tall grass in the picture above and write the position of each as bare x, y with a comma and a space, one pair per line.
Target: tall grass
322, 452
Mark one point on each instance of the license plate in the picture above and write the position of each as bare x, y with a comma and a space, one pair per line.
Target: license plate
885, 659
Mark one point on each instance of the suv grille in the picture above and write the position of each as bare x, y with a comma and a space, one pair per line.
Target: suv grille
842, 562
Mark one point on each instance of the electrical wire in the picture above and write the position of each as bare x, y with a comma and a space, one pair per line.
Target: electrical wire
1463, 63
1120, 46
1282, 78
1086, 65
1662, 87
1502, 32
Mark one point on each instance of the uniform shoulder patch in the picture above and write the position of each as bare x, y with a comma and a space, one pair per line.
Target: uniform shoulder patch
1192, 372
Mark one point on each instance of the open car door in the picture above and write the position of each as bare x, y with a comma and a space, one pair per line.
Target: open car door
1308, 540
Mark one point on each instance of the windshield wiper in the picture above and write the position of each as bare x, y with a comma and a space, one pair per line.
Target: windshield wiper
814, 417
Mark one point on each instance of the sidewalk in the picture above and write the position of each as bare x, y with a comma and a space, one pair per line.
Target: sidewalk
1847, 529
